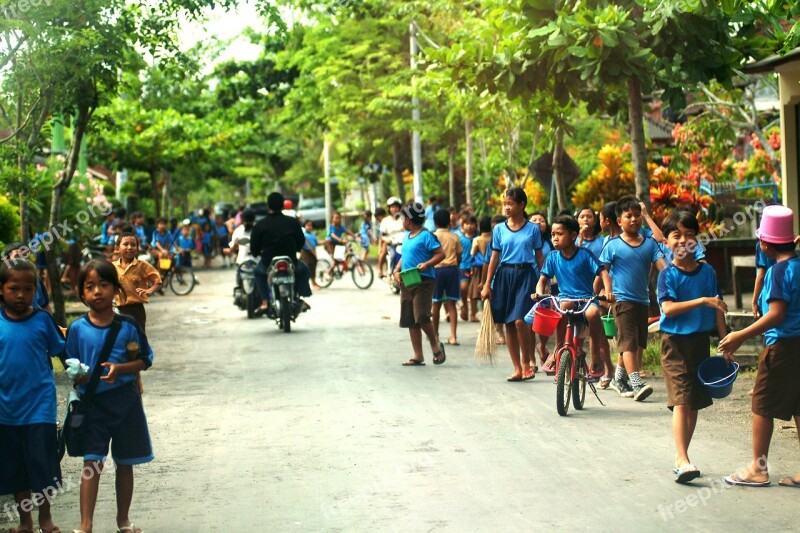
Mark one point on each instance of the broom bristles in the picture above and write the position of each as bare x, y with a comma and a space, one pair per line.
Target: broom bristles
485, 346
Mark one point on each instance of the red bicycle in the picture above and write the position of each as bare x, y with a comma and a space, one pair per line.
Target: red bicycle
572, 369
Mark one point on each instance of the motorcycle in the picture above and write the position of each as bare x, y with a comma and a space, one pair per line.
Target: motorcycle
245, 294
395, 252
285, 307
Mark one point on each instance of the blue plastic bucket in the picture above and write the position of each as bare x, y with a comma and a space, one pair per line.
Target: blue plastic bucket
717, 377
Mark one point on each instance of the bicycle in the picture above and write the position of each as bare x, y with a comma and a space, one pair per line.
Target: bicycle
180, 278
344, 260
572, 369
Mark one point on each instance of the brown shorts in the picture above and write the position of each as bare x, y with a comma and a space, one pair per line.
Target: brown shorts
680, 357
776, 393
136, 311
415, 304
475, 285
631, 319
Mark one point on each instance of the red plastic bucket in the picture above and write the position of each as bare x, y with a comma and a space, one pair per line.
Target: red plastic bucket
545, 321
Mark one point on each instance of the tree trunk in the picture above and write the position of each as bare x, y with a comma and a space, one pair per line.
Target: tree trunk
56, 197
451, 175
398, 172
469, 168
154, 189
638, 149
558, 172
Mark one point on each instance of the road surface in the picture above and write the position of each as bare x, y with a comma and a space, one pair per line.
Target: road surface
323, 430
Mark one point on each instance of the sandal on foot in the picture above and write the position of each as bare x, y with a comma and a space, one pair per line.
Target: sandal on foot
439, 357
529, 375
686, 473
55, 529
549, 366
789, 482
129, 529
736, 479
514, 378
605, 382
414, 362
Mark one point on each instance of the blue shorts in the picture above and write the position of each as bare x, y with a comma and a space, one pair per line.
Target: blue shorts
464, 274
29, 458
447, 285
184, 259
117, 416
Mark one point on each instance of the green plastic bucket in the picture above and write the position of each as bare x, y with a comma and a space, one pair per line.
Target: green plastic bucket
609, 326
411, 277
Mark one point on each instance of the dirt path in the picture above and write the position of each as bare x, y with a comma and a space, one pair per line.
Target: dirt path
322, 429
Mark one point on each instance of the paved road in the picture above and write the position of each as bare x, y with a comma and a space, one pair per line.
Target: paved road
323, 430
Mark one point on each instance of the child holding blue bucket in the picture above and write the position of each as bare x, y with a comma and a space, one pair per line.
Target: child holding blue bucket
776, 393
690, 307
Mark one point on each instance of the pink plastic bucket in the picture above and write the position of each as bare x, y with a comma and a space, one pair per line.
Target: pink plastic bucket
777, 225
545, 321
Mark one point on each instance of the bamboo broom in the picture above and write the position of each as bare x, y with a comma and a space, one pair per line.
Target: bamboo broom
485, 346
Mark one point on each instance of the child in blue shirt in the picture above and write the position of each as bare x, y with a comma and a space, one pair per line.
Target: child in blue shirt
469, 227
420, 250
628, 258
576, 269
336, 234
29, 462
776, 393
589, 236
690, 308
184, 244
365, 234
116, 415
206, 238
511, 279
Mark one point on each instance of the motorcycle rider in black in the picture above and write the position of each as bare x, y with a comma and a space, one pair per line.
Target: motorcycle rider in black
274, 235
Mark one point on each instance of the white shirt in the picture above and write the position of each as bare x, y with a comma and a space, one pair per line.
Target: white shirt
393, 228
241, 237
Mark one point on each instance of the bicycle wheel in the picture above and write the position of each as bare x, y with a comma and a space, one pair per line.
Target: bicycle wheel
182, 281
322, 275
579, 384
563, 381
362, 274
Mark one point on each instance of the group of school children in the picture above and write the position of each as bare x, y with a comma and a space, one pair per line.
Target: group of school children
526, 258
29, 460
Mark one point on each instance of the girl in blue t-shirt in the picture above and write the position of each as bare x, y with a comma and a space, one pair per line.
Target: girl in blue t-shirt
511, 279
116, 414
29, 462
365, 234
540, 219
589, 237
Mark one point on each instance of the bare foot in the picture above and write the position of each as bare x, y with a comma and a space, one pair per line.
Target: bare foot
501, 340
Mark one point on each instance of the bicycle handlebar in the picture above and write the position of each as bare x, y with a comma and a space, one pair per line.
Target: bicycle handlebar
557, 300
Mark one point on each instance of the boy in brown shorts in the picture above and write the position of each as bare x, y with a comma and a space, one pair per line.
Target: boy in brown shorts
776, 393
421, 250
628, 258
690, 307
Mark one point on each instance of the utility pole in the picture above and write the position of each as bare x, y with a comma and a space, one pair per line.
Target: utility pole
416, 142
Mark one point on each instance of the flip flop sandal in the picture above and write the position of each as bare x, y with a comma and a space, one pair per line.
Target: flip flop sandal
440, 357
686, 473
129, 529
414, 362
605, 382
529, 375
736, 479
514, 378
789, 482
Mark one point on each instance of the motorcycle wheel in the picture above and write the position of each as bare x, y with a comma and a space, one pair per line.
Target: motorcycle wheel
182, 281
286, 315
252, 304
324, 279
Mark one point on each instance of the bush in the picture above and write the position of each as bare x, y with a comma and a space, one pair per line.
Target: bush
9, 221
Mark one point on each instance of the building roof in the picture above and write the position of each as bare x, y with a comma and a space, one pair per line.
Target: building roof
659, 131
769, 64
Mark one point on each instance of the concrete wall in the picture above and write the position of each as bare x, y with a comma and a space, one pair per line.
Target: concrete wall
790, 98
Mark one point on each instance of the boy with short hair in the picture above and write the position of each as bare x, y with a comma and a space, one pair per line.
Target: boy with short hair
576, 269
690, 307
446, 288
628, 259
423, 251
775, 394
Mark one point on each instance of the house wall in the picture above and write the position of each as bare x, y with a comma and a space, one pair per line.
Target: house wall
790, 129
